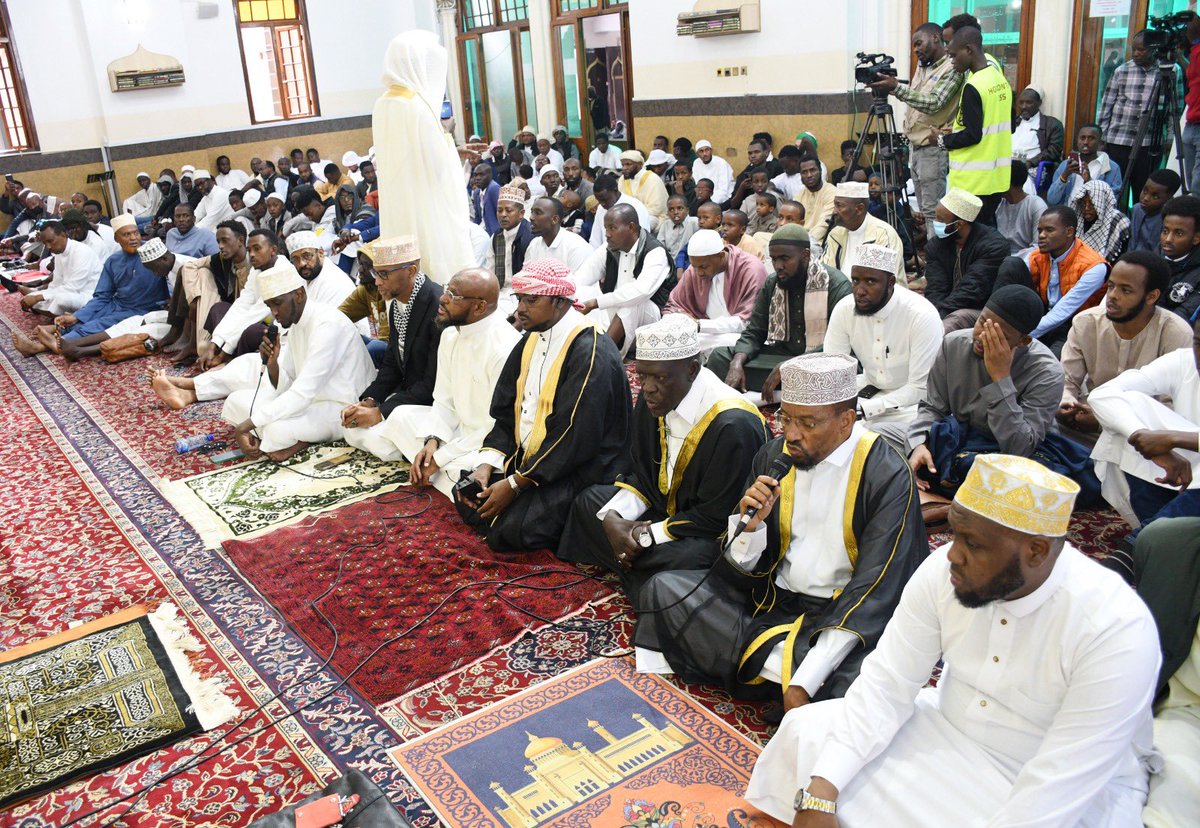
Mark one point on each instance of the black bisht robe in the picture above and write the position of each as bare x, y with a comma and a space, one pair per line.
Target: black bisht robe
707, 484
725, 629
586, 440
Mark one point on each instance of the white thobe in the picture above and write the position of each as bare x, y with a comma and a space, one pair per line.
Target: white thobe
546, 349
896, 347
569, 248
232, 180
1041, 717
719, 173
323, 367
1025, 144
1126, 404
214, 208
854, 239
597, 237
1174, 798
330, 286
76, 272
103, 248
610, 159
720, 328
470, 359
143, 203
706, 391
106, 232
481, 243
630, 299
789, 185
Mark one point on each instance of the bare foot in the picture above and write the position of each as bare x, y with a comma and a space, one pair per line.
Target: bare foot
287, 453
27, 346
183, 355
69, 351
48, 336
168, 341
170, 393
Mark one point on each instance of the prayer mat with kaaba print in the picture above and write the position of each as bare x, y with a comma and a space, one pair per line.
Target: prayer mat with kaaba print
98, 695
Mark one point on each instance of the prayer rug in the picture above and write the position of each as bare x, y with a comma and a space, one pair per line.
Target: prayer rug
599, 745
601, 627
1093, 532
396, 559
251, 499
98, 695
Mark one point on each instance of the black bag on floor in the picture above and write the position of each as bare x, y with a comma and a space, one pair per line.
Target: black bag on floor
372, 811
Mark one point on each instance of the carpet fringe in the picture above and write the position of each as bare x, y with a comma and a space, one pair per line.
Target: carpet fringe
209, 702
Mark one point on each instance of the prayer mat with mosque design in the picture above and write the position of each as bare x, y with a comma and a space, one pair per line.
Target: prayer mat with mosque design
98, 695
250, 499
396, 559
601, 627
599, 745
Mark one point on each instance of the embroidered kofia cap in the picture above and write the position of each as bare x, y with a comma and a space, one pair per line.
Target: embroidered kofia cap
819, 379
877, 257
672, 337
853, 189
302, 240
278, 280
151, 250
1019, 493
512, 194
396, 251
962, 204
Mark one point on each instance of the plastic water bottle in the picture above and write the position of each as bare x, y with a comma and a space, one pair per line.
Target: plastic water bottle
185, 444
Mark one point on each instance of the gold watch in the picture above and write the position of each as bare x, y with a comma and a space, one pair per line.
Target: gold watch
805, 801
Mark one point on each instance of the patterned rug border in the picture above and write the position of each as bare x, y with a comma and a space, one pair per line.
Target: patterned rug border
245, 632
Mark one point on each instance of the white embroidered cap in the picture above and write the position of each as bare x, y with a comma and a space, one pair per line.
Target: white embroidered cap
121, 221
672, 337
151, 250
396, 251
853, 189
877, 257
819, 379
303, 240
278, 280
633, 155
251, 197
705, 243
962, 204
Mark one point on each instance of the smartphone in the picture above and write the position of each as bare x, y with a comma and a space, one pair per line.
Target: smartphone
326, 465
1073, 156
226, 456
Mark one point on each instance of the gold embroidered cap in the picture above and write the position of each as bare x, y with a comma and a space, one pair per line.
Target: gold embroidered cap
819, 379
1019, 493
396, 250
672, 337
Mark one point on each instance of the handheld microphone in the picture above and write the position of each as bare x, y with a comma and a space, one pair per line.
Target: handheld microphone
273, 335
778, 469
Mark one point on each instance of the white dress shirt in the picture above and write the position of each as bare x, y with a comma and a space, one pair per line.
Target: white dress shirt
610, 159
76, 272
569, 248
1025, 143
232, 180
789, 185
896, 347
630, 290
214, 208
1044, 700
706, 391
597, 237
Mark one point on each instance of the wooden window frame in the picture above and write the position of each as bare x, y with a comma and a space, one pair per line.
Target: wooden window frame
497, 15
1071, 119
575, 19
19, 89
920, 14
473, 39
301, 21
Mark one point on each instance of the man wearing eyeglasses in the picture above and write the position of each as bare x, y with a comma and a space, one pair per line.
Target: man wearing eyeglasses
444, 439
406, 376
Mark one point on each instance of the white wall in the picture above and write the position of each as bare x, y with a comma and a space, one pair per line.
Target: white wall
804, 46
65, 64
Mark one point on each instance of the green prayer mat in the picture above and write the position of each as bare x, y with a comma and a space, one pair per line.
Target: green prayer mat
250, 499
97, 696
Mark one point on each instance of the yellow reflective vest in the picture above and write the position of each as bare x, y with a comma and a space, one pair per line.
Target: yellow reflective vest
986, 168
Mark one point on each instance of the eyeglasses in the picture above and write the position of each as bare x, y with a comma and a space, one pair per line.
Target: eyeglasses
454, 297
383, 274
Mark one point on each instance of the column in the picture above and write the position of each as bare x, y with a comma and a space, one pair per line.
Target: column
448, 28
541, 40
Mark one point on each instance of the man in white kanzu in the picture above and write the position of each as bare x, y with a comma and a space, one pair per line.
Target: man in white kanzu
1042, 713
290, 394
444, 439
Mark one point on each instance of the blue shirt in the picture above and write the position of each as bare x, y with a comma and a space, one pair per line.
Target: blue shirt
198, 243
126, 288
483, 207
1060, 191
1063, 307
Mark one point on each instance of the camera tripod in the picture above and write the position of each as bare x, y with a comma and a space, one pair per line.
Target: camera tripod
1161, 109
880, 130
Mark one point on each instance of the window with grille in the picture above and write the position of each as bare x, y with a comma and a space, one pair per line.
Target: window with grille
276, 59
16, 129
485, 14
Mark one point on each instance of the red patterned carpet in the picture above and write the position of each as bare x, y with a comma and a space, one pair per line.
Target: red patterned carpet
402, 570
69, 554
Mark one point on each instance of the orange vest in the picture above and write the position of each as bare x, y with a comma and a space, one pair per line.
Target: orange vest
1079, 261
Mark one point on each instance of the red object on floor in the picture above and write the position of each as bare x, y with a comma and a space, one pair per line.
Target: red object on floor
395, 571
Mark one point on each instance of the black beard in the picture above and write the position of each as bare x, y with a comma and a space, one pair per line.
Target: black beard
874, 309
315, 272
1129, 317
1006, 582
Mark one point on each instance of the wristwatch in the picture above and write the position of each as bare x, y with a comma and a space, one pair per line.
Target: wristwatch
512, 481
433, 437
805, 801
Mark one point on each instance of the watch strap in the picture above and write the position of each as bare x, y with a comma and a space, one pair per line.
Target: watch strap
805, 801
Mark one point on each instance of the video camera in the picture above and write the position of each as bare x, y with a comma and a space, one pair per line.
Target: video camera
1165, 34
872, 68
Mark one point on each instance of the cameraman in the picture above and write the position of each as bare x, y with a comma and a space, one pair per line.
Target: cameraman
1191, 130
932, 97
